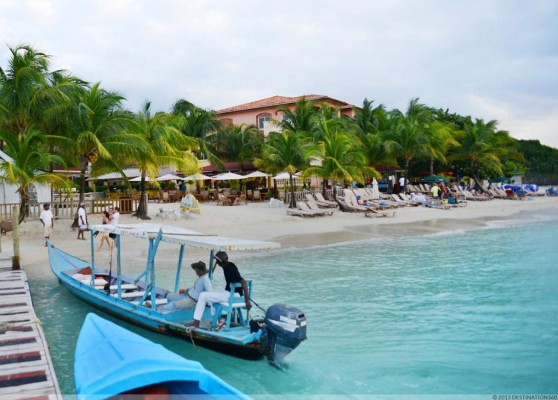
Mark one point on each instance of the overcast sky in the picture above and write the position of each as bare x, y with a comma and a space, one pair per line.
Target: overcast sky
488, 59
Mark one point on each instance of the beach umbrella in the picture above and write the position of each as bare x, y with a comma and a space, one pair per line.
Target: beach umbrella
375, 190
256, 174
138, 179
169, 177
197, 177
227, 176
284, 175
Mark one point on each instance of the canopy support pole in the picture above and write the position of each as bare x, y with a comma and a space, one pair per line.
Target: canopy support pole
179, 267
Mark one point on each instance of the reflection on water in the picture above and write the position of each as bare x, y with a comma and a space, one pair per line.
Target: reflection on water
459, 313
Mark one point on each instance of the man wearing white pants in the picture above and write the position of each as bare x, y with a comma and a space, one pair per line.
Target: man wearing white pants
221, 295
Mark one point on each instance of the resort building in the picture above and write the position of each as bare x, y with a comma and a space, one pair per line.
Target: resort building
260, 112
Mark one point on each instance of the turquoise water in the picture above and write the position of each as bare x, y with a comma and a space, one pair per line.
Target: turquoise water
464, 313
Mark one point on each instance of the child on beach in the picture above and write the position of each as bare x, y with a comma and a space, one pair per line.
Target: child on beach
105, 237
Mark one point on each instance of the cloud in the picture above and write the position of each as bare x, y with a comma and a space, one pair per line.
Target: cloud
491, 60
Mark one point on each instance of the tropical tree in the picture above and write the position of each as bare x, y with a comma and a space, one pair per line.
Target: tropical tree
370, 119
482, 149
339, 155
409, 136
286, 151
29, 95
100, 133
30, 166
239, 143
200, 124
166, 146
442, 139
302, 118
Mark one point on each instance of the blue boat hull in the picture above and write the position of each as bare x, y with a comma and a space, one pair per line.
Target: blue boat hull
111, 360
238, 342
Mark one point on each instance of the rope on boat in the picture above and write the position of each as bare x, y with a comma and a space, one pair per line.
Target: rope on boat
257, 305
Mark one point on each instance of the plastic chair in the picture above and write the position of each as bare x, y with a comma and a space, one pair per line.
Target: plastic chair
235, 305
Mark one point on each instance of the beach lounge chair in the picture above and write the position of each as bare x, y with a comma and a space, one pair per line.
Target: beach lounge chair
312, 205
376, 214
323, 202
305, 207
223, 200
300, 213
399, 200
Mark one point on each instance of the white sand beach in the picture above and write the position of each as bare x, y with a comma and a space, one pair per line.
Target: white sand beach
259, 221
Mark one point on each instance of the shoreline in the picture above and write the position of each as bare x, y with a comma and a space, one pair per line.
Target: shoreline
256, 221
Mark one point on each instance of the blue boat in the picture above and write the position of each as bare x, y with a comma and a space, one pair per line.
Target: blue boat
135, 299
110, 360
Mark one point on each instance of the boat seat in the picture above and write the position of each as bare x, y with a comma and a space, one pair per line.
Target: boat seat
86, 280
235, 305
125, 286
129, 295
158, 302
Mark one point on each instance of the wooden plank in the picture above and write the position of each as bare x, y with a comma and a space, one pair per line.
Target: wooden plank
26, 369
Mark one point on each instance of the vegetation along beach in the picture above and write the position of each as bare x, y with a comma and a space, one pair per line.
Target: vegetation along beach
416, 243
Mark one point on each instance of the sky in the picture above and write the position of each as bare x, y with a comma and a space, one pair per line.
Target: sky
492, 60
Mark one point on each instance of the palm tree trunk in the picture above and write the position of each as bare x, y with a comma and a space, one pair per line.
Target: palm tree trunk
431, 165
324, 190
23, 201
141, 212
82, 172
292, 203
407, 163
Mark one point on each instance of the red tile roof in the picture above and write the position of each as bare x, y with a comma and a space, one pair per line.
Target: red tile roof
278, 101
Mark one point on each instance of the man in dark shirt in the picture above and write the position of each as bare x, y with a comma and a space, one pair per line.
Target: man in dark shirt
221, 295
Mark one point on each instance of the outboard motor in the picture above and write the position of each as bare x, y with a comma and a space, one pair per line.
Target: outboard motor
285, 329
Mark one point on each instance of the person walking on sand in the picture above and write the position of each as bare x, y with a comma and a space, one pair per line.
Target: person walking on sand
82, 221
114, 217
47, 219
105, 237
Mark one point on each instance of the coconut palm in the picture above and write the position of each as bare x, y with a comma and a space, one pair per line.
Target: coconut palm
30, 95
200, 124
302, 118
442, 139
100, 134
341, 155
409, 137
166, 146
31, 164
240, 143
286, 151
369, 119
483, 147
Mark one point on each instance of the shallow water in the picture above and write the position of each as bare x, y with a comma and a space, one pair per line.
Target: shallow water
462, 313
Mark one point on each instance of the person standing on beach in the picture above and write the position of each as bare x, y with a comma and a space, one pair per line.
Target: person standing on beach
435, 190
47, 219
82, 221
402, 184
221, 295
105, 237
114, 217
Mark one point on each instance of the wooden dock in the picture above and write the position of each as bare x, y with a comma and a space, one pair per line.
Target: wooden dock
26, 370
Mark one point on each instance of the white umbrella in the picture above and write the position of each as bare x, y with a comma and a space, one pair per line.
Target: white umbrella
138, 179
375, 190
256, 174
284, 175
197, 177
169, 177
227, 176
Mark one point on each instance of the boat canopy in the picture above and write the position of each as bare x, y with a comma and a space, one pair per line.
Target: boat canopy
183, 236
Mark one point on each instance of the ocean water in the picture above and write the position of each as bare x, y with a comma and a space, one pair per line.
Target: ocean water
462, 313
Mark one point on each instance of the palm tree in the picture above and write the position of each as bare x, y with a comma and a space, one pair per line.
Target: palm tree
31, 164
240, 143
442, 138
483, 147
166, 146
285, 151
101, 134
340, 153
200, 124
369, 119
29, 95
302, 119
409, 136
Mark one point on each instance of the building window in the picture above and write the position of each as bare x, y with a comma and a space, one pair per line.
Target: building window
261, 118
226, 121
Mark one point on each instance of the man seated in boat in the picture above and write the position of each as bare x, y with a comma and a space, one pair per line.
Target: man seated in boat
232, 275
188, 298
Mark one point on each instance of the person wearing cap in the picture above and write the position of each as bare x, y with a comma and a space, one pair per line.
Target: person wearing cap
188, 298
232, 275
47, 219
82, 221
